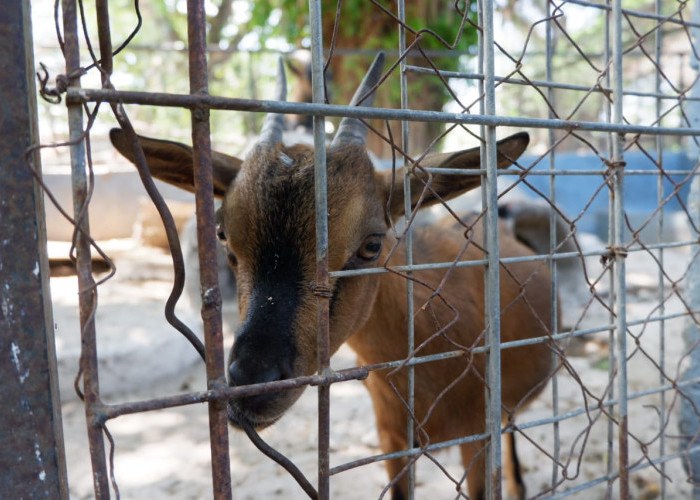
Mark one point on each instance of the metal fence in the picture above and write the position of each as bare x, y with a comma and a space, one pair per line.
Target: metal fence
588, 102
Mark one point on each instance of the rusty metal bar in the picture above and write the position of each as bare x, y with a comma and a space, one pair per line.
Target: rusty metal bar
300, 108
226, 393
322, 284
86, 284
211, 295
32, 451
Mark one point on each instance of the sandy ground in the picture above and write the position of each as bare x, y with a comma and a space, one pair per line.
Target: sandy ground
165, 454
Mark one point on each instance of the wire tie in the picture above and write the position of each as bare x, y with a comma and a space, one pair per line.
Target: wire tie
321, 290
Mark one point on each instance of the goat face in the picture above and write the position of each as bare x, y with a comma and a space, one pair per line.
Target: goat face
268, 219
267, 222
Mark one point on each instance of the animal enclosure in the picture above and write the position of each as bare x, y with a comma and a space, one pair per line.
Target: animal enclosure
603, 202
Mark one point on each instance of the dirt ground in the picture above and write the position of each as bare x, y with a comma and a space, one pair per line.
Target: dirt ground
165, 454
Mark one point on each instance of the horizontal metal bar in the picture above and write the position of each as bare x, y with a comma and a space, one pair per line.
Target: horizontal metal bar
505, 260
548, 338
369, 53
107, 411
405, 453
476, 437
604, 404
359, 373
235, 104
543, 83
603, 479
635, 13
554, 173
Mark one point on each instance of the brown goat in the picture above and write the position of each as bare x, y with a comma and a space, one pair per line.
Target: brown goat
268, 225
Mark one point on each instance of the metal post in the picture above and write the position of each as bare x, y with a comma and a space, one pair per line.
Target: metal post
552, 246
620, 295
87, 293
208, 272
689, 422
31, 450
493, 303
410, 330
610, 450
323, 318
661, 289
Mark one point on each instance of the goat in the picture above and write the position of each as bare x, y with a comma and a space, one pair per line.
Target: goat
267, 223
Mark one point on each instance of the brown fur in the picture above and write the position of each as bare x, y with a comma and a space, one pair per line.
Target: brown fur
268, 221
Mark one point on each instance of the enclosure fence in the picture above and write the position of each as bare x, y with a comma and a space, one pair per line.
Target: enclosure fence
611, 92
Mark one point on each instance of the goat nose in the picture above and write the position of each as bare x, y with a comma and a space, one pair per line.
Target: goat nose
240, 376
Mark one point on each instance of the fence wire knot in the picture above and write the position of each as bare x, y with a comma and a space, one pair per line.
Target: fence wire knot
613, 254
614, 165
321, 290
53, 94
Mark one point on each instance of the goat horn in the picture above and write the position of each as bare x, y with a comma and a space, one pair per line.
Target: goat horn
271, 132
352, 130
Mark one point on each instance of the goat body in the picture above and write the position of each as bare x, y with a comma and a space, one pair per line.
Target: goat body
267, 222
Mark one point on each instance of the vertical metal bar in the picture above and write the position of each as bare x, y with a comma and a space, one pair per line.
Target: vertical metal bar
32, 450
689, 424
618, 240
493, 306
410, 330
87, 294
611, 334
661, 289
211, 295
553, 244
323, 318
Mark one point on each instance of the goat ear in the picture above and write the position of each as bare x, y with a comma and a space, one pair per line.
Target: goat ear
171, 162
448, 186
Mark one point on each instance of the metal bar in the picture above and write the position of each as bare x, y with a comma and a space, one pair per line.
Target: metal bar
105, 412
689, 424
529, 425
617, 223
661, 288
323, 302
505, 260
492, 308
32, 451
548, 84
211, 295
86, 285
408, 238
551, 97
611, 277
609, 477
226, 393
177, 47
637, 13
557, 173
224, 103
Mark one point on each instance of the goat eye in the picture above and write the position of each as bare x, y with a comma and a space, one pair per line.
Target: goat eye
371, 247
220, 232
232, 260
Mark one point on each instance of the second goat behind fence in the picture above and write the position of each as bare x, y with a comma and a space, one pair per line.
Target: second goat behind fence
267, 221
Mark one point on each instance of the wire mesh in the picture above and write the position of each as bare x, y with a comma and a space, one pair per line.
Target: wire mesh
611, 90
